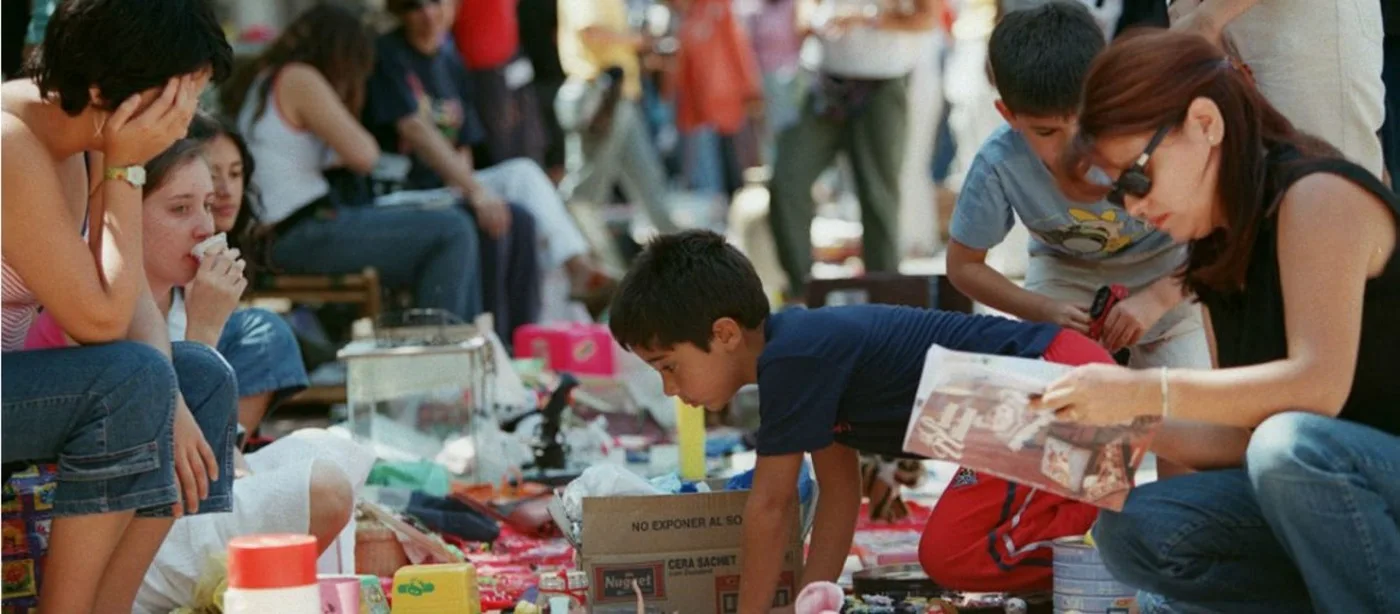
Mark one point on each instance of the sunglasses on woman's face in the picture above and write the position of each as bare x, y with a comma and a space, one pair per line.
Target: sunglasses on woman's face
1134, 181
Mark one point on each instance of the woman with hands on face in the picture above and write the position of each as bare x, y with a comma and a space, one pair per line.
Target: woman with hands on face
1293, 254
132, 452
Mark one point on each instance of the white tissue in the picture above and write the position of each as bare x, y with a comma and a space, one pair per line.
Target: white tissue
203, 247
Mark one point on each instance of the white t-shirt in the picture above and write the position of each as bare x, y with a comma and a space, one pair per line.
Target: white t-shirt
863, 53
177, 320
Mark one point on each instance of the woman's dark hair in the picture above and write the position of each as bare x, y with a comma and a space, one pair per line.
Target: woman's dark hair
174, 158
204, 129
1147, 80
328, 37
124, 47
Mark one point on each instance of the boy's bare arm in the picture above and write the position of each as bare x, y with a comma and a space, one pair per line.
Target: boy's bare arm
838, 476
767, 522
971, 275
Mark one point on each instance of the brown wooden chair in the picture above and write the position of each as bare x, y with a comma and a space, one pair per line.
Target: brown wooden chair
362, 289
926, 291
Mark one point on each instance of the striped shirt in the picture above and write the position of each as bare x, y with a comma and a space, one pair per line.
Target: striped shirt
19, 308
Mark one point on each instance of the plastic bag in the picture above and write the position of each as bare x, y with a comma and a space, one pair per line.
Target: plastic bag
603, 481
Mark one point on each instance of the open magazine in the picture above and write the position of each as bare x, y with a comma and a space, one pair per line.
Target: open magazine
973, 409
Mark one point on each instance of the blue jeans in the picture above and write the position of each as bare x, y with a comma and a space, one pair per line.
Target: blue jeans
510, 274
1308, 525
264, 354
105, 414
434, 251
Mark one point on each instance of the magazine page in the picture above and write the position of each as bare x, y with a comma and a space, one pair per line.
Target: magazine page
974, 410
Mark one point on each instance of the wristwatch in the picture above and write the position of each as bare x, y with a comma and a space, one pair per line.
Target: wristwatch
134, 174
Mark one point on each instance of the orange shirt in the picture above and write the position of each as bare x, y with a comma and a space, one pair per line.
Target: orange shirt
716, 72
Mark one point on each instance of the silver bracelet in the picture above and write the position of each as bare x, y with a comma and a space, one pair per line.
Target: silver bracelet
1166, 401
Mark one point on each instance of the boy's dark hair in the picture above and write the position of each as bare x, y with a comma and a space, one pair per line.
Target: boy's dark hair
1039, 57
679, 285
124, 47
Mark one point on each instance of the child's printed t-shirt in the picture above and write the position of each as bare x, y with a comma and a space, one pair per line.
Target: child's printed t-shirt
435, 87
849, 374
1006, 177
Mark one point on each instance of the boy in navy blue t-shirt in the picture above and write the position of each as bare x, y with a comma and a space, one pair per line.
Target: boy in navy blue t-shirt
834, 382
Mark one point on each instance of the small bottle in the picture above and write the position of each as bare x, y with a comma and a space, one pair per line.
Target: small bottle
272, 573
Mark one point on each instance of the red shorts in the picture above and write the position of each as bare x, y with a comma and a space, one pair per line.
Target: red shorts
989, 535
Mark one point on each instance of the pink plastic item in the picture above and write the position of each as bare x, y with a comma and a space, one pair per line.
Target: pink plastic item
340, 595
577, 348
820, 598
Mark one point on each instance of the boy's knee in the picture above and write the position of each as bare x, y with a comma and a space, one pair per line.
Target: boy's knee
332, 501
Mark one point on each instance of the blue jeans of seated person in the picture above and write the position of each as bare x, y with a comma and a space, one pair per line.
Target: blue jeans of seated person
105, 414
264, 354
1308, 525
510, 274
434, 251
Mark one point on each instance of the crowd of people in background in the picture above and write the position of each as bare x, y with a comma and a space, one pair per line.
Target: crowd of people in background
509, 156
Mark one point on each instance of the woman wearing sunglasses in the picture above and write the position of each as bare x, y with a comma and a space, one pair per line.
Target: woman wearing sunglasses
1292, 251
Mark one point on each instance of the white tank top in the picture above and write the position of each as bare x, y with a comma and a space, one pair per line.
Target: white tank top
290, 161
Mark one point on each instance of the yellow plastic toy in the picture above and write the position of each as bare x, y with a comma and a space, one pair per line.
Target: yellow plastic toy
429, 589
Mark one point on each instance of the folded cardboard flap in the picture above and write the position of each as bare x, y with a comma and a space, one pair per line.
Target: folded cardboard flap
665, 523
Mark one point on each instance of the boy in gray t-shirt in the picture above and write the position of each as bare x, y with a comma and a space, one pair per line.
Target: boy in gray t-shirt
1039, 58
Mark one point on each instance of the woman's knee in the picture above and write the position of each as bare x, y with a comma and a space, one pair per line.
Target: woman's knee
1291, 446
206, 379
332, 501
137, 406
1128, 547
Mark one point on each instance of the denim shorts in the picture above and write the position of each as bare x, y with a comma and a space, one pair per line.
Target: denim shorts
104, 413
264, 354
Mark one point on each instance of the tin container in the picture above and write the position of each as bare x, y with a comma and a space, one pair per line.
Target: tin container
1082, 583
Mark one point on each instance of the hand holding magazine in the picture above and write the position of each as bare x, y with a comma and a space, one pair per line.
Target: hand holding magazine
974, 410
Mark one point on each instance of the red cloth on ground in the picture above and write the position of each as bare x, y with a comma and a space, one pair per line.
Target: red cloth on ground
487, 33
990, 535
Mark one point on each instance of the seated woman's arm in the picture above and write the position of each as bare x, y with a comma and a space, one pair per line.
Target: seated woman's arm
1332, 237
310, 101
43, 245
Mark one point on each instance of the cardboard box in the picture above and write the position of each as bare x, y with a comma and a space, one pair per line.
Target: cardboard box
683, 551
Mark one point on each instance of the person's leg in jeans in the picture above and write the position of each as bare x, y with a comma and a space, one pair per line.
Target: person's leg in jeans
1202, 543
432, 250
988, 534
210, 391
266, 360
101, 412
1328, 489
805, 150
510, 274
877, 138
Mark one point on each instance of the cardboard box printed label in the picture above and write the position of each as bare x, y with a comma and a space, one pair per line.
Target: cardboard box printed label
681, 550
614, 582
